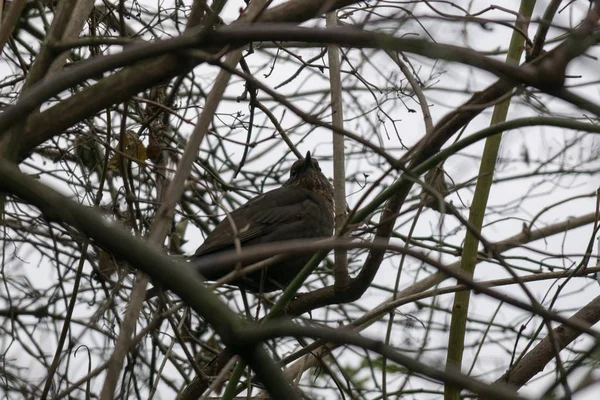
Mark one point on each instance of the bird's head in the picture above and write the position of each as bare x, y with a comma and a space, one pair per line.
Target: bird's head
306, 173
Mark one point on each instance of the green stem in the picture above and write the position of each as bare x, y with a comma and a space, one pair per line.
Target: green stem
482, 190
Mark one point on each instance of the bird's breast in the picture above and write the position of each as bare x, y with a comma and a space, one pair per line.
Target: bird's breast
317, 218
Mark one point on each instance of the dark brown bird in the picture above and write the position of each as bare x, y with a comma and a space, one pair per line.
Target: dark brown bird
300, 209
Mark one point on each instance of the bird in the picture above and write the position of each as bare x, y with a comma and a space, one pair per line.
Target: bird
302, 208
436, 179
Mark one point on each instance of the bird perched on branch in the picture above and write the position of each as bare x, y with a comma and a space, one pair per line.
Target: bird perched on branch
300, 209
436, 179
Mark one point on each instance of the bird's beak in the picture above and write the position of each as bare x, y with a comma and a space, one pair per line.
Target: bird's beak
307, 162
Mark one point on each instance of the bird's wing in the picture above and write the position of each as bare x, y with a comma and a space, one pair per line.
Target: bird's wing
260, 216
